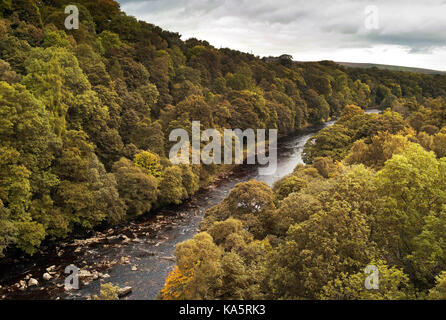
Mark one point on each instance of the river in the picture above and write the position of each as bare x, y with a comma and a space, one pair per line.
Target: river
141, 254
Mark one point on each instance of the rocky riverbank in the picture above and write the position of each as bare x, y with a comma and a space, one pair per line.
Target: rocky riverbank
140, 255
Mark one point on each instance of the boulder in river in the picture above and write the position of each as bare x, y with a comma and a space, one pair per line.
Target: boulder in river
46, 276
33, 282
124, 291
125, 260
124, 238
21, 285
50, 269
168, 258
84, 274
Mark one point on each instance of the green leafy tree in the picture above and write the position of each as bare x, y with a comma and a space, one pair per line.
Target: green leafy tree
331, 142
54, 75
393, 285
251, 202
171, 186
411, 188
198, 259
289, 185
439, 291
149, 162
138, 190
27, 11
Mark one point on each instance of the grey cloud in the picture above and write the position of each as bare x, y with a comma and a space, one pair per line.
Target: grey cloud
417, 41
297, 25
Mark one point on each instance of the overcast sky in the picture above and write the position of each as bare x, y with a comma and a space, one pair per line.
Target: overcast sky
407, 33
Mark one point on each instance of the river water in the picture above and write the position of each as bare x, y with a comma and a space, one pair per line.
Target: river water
141, 254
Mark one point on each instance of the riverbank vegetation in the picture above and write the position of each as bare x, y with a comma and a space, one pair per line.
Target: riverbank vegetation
85, 116
372, 193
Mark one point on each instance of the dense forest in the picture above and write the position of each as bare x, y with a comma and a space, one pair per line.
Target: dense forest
85, 117
373, 193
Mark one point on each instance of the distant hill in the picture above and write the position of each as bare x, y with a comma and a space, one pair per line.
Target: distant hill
389, 67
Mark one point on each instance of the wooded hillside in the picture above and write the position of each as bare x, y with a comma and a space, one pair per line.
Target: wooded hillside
85, 114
